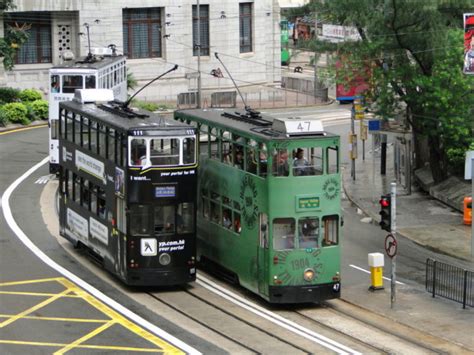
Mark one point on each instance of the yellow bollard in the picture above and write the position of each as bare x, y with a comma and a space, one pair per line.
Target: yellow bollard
376, 263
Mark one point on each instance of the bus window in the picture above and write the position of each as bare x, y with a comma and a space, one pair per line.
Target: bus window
90, 82
330, 230
332, 160
55, 85
164, 151
308, 230
164, 219
71, 83
137, 154
185, 218
189, 150
139, 219
283, 233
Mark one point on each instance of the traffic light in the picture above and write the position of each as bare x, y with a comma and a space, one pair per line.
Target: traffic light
385, 212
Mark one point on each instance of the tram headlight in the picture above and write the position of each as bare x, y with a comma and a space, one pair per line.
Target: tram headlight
308, 274
164, 259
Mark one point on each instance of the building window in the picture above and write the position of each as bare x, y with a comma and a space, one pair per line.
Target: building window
142, 32
204, 25
245, 19
37, 48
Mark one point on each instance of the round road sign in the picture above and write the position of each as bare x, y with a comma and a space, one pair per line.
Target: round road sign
390, 245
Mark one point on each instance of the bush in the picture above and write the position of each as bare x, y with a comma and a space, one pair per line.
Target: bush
149, 106
39, 110
29, 95
8, 95
16, 112
3, 117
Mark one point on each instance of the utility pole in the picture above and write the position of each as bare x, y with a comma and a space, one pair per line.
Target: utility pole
198, 44
393, 224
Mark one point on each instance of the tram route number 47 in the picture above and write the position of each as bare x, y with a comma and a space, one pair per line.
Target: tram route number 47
390, 245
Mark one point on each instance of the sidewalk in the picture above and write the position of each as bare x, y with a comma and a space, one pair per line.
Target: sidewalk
429, 223
420, 217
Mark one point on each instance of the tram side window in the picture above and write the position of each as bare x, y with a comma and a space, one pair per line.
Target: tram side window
164, 151
55, 84
85, 133
332, 160
308, 232
164, 220
330, 230
94, 193
139, 220
227, 155
185, 218
280, 163
283, 233
214, 140
77, 189
102, 141
90, 82
71, 83
101, 209
215, 208
77, 129
69, 182
137, 152
205, 203
86, 195
316, 161
111, 144
237, 225
93, 136
69, 127
189, 150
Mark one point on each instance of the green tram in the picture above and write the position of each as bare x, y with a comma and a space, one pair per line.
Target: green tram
269, 209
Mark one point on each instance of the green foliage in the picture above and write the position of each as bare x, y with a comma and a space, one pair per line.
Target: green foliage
413, 51
144, 105
16, 112
8, 95
14, 37
39, 109
131, 81
3, 117
29, 95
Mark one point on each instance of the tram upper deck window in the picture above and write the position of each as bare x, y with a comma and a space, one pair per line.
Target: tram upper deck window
137, 152
308, 232
308, 161
332, 160
71, 83
189, 150
55, 84
164, 151
283, 233
280, 163
139, 219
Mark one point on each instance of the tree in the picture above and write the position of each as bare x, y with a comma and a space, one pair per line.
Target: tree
14, 37
414, 50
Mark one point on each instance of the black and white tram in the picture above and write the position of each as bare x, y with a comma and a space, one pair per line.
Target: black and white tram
128, 189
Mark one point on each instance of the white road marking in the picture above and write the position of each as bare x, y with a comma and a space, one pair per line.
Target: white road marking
44, 179
78, 281
274, 318
368, 272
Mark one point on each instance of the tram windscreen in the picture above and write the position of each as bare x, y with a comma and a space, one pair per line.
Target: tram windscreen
71, 83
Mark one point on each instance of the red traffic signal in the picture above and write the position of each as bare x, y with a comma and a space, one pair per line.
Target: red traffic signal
385, 212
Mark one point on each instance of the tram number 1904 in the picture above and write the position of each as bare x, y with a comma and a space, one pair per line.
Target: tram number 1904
300, 264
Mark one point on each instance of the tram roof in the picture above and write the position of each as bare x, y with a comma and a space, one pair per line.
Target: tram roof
215, 116
154, 121
81, 63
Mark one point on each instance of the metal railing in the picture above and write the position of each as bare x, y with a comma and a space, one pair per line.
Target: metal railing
450, 282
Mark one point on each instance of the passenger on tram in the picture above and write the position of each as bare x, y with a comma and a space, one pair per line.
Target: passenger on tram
280, 163
300, 164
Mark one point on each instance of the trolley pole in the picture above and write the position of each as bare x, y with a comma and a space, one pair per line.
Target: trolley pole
198, 44
393, 272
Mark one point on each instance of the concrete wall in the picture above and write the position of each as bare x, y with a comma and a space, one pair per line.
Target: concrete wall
262, 66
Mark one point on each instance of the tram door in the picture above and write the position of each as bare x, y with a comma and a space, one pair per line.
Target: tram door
262, 254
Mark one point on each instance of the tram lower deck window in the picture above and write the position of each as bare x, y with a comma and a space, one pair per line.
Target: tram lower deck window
139, 219
283, 233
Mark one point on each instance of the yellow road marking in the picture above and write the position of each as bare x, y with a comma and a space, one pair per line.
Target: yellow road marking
100, 347
168, 348
27, 282
34, 308
85, 337
39, 294
59, 319
23, 129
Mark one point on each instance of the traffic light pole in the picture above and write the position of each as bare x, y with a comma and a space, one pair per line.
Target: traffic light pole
393, 272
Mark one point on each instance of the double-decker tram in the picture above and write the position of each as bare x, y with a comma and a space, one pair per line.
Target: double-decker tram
127, 191
269, 203
105, 71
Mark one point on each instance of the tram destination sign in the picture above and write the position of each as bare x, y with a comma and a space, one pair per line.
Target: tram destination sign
307, 203
165, 191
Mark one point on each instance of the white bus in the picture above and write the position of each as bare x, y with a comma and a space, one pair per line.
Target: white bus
107, 71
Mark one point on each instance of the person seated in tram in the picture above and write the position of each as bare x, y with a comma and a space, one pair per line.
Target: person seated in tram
300, 164
239, 159
226, 219
280, 163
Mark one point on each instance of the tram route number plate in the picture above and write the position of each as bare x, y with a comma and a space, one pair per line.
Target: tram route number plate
390, 246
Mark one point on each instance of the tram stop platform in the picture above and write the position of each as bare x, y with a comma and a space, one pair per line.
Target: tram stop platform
429, 223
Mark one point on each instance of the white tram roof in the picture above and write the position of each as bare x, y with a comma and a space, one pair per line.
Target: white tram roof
93, 95
81, 63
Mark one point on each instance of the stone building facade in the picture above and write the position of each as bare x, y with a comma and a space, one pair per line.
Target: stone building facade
155, 35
